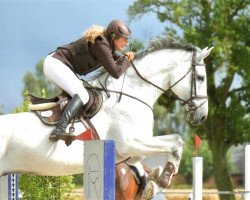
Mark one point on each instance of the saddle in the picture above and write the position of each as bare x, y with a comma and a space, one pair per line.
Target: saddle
50, 110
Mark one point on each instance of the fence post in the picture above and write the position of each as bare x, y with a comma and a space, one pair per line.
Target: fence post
99, 169
9, 187
197, 177
247, 172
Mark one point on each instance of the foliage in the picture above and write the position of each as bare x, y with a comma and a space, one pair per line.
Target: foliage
25, 106
78, 179
44, 187
186, 166
225, 25
37, 84
167, 121
1, 109
136, 45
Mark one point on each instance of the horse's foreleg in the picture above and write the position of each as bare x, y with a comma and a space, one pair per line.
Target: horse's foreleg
170, 144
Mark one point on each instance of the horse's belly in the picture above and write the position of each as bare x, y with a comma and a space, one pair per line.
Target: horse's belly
25, 148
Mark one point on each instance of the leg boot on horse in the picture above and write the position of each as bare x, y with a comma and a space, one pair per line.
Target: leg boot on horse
70, 111
165, 178
159, 179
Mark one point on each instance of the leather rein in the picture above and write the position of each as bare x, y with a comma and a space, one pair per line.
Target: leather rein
193, 94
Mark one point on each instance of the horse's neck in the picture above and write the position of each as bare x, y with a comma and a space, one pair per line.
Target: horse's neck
155, 67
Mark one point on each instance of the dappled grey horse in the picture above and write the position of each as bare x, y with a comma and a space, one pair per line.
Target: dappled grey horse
164, 65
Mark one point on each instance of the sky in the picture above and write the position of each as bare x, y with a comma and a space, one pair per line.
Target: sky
30, 29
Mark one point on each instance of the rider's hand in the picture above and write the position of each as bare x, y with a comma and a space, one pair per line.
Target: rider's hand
130, 55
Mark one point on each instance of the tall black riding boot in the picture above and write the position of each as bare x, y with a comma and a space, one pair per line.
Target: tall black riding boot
70, 111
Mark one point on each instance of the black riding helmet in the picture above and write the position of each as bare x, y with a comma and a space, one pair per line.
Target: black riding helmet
116, 29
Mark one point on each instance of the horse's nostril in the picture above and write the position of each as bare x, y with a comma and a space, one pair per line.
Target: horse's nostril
203, 119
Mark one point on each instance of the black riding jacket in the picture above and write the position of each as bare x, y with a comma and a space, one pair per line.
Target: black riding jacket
83, 57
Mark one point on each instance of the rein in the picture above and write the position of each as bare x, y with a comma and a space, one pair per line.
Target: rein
189, 102
122, 93
193, 92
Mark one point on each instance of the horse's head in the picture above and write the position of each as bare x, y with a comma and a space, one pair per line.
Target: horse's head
189, 84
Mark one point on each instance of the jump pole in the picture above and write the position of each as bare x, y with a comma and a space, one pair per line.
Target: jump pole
247, 172
197, 178
197, 171
9, 187
99, 170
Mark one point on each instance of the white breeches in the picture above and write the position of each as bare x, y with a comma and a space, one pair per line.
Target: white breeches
62, 76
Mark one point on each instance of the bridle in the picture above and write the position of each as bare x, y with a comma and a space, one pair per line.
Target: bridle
193, 94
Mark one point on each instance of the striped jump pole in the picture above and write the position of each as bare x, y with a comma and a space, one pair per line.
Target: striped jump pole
99, 169
9, 187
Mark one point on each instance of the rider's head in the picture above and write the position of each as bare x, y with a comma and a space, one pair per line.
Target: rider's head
118, 34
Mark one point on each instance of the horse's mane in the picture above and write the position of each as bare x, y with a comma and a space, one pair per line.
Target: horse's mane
157, 43
164, 42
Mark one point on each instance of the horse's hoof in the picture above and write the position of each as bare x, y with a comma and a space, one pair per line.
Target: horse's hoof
155, 173
150, 190
53, 138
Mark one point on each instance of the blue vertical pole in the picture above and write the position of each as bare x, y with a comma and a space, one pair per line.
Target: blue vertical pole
13, 187
109, 170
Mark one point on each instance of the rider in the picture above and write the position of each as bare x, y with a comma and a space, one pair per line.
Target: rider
96, 48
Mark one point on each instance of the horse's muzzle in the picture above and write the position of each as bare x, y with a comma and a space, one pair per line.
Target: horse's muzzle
195, 119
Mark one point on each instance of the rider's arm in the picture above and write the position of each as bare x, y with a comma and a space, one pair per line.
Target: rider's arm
103, 53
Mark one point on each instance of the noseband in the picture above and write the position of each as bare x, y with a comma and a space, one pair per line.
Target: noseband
193, 94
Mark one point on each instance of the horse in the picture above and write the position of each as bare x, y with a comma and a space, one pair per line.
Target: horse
127, 185
126, 114
127, 181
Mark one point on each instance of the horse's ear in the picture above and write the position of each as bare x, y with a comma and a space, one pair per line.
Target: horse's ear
204, 53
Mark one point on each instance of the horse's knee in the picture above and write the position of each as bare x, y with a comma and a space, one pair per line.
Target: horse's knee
179, 139
123, 150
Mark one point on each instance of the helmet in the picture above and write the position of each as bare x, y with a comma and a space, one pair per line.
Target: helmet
117, 28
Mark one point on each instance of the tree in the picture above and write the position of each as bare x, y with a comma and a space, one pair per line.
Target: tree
225, 25
45, 187
186, 167
36, 83
1, 109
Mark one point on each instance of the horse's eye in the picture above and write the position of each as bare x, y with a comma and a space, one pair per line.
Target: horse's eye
200, 78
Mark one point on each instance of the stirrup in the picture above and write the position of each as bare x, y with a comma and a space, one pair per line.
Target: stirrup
54, 135
53, 138
67, 138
